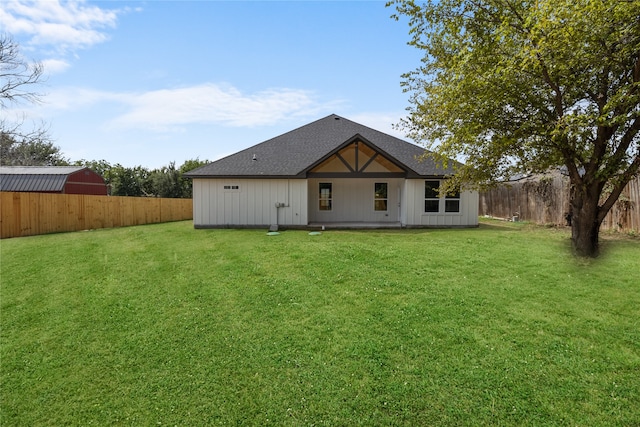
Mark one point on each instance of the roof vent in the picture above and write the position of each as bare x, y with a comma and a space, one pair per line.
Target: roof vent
254, 158
336, 118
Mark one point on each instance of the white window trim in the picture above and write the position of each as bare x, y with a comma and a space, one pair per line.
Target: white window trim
375, 199
451, 198
319, 199
424, 200
442, 202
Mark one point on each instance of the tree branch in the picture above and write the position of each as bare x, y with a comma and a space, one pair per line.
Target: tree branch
16, 74
625, 143
628, 174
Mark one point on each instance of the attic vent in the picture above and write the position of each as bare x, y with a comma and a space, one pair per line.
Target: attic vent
336, 118
254, 158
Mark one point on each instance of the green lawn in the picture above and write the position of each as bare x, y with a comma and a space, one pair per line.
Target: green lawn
167, 325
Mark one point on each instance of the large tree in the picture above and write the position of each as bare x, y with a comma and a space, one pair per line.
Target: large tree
512, 86
19, 79
34, 148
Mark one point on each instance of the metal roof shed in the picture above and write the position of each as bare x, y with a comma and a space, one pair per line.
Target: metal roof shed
52, 179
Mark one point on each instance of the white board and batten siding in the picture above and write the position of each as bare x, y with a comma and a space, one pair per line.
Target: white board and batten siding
417, 217
219, 203
353, 200
249, 202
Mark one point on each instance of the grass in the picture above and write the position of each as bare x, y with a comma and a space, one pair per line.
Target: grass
167, 325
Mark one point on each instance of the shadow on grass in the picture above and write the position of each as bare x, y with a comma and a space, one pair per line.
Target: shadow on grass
500, 225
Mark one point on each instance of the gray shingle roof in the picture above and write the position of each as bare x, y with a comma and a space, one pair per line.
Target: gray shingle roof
294, 153
35, 178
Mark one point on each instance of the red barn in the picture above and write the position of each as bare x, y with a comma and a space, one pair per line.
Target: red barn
52, 179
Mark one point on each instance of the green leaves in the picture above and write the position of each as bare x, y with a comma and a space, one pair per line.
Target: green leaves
167, 181
527, 83
512, 87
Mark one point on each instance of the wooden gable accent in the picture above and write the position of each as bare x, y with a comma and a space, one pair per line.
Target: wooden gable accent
357, 158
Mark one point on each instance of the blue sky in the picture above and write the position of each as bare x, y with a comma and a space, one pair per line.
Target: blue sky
148, 83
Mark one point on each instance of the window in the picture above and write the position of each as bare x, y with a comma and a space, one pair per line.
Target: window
380, 196
431, 196
432, 199
326, 196
231, 188
452, 202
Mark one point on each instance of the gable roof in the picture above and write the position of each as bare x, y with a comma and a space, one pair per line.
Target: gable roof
295, 153
35, 178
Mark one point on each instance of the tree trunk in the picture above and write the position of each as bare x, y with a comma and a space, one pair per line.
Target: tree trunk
585, 221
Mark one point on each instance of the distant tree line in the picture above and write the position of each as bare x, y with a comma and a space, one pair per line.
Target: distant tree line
38, 150
167, 181
33, 148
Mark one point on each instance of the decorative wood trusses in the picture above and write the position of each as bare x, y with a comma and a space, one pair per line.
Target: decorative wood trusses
357, 158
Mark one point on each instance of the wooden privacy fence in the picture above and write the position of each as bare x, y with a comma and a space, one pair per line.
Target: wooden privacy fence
27, 214
545, 200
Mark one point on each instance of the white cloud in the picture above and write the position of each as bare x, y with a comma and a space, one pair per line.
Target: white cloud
169, 109
57, 28
384, 122
75, 98
54, 66
65, 25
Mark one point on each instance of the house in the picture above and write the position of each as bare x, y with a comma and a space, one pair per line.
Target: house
332, 172
52, 179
